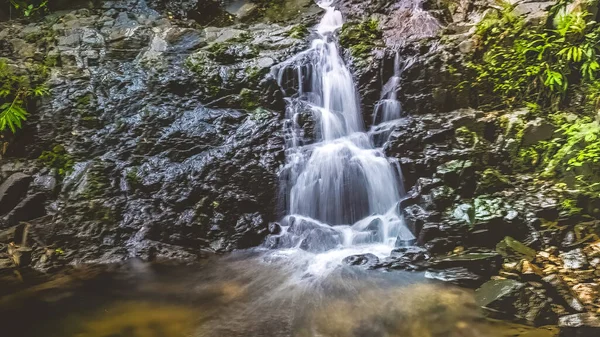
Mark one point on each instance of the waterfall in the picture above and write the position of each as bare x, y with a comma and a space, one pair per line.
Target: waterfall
342, 192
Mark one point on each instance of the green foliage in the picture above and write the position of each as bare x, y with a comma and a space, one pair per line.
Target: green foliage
15, 89
580, 145
522, 63
361, 37
29, 9
59, 159
569, 207
573, 154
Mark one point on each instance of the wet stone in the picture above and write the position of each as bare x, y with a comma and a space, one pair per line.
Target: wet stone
274, 228
365, 260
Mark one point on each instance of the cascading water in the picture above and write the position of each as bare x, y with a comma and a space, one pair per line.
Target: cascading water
342, 192
389, 107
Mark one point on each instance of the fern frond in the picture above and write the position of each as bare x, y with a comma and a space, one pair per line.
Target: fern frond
12, 115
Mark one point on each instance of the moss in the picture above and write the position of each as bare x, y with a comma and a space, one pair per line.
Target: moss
255, 74
242, 38
59, 159
492, 181
85, 100
260, 114
133, 178
232, 50
96, 181
361, 37
95, 211
298, 32
51, 60
466, 137
248, 99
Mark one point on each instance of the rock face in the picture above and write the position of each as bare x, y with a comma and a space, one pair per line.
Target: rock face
159, 138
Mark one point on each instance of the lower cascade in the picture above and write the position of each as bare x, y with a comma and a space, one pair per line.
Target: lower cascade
342, 193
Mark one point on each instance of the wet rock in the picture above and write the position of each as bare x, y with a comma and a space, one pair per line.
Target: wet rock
414, 217
365, 260
429, 232
536, 131
579, 325
510, 298
574, 259
274, 228
442, 197
441, 245
481, 263
375, 227
321, 239
456, 171
12, 190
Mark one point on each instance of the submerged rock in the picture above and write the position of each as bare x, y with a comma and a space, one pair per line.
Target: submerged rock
364, 260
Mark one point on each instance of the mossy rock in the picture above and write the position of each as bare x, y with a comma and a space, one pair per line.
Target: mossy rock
59, 159
361, 37
249, 99
512, 248
466, 138
298, 32
492, 181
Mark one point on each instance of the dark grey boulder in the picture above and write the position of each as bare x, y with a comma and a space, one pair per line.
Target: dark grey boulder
12, 190
32, 207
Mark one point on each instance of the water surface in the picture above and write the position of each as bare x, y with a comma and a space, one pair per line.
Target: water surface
245, 294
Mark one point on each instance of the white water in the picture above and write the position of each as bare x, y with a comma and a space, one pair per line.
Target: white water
342, 192
389, 107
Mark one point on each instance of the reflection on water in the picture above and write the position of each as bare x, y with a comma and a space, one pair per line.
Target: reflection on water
244, 295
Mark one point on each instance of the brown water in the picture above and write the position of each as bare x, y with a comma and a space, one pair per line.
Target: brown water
243, 295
